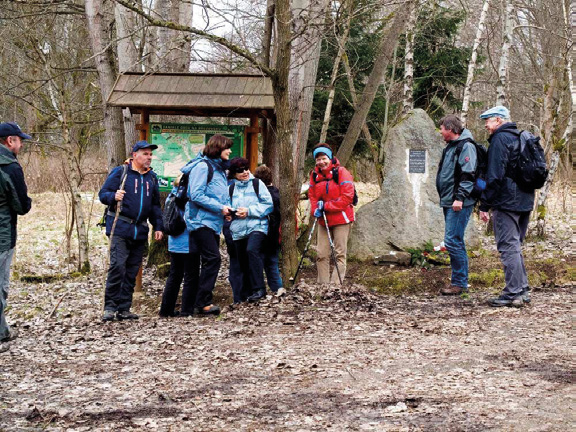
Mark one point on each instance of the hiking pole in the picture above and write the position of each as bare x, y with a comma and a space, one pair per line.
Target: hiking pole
293, 279
332, 248
118, 210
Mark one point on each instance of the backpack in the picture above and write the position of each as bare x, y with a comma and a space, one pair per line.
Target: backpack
479, 173
335, 177
181, 194
174, 223
530, 171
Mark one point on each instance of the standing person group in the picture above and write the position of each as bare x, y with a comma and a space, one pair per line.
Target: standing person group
14, 201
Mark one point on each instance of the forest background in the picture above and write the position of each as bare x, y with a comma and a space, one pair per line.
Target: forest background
343, 72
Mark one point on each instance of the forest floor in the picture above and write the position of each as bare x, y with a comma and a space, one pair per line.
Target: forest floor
382, 353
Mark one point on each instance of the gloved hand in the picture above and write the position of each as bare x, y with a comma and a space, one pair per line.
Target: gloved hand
319, 209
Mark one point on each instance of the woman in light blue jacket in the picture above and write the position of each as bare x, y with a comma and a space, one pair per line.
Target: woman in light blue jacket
252, 203
208, 203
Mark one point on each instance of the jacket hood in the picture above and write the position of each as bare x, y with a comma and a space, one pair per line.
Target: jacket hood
199, 158
244, 182
6, 156
466, 134
506, 127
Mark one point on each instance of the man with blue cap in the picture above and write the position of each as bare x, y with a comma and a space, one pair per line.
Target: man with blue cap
134, 187
14, 201
510, 205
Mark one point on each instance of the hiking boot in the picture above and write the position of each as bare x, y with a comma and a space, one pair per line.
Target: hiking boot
258, 295
108, 315
4, 347
526, 296
451, 290
281, 291
517, 301
207, 310
126, 315
12, 334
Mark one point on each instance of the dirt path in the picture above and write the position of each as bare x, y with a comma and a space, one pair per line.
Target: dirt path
315, 360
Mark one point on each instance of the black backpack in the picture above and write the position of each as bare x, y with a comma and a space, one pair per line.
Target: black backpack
530, 171
174, 223
481, 168
335, 177
181, 195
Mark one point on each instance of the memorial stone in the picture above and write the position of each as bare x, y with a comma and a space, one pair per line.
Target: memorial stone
407, 214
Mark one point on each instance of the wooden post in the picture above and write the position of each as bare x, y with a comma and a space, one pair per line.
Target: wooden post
252, 144
142, 135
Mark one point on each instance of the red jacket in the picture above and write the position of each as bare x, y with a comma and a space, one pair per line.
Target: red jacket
337, 197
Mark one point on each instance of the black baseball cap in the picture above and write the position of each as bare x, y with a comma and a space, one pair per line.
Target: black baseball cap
143, 145
12, 129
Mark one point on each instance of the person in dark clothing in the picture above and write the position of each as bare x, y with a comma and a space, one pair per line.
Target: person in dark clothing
234, 270
133, 187
14, 201
208, 203
271, 248
510, 205
180, 257
455, 199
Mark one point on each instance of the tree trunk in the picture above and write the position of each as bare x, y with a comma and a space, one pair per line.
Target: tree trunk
501, 87
472, 63
387, 46
408, 100
332, 87
307, 19
269, 145
103, 57
290, 189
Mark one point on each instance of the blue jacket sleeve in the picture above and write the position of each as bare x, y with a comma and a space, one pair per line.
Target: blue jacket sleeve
197, 189
110, 186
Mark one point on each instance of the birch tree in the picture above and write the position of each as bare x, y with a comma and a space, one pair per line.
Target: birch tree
501, 87
472, 63
408, 101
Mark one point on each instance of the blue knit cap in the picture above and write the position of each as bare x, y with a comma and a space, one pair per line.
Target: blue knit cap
324, 150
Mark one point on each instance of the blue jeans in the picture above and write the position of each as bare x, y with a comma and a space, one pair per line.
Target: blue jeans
272, 270
5, 261
456, 223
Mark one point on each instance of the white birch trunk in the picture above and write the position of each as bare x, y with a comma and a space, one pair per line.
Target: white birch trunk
501, 87
408, 98
332, 86
472, 64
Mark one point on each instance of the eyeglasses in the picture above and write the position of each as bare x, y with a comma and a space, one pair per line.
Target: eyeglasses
240, 170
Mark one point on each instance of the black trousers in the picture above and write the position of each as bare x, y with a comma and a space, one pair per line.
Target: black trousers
125, 260
205, 253
249, 252
180, 269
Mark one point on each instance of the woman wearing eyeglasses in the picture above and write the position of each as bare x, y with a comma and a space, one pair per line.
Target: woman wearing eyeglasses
251, 203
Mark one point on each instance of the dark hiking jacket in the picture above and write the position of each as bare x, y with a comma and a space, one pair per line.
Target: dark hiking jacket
14, 199
502, 193
141, 203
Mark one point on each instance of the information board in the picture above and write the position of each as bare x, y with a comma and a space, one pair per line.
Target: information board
179, 143
417, 161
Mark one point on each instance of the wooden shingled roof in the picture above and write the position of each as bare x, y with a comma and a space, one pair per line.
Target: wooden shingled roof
194, 94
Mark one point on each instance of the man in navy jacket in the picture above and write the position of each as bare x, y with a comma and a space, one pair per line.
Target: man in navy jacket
139, 201
510, 205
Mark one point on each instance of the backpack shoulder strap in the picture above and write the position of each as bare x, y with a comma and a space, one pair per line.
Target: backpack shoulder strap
336, 174
210, 171
231, 190
256, 186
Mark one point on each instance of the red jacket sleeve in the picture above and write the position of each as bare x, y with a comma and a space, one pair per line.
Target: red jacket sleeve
346, 196
312, 194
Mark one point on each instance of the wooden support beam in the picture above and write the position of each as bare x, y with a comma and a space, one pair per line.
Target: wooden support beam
252, 144
142, 135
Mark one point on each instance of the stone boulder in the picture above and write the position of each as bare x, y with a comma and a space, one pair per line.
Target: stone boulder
407, 213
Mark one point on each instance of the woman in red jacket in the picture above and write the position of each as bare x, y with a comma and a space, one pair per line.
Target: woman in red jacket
331, 192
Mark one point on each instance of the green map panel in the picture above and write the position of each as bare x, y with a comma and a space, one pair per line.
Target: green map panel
178, 143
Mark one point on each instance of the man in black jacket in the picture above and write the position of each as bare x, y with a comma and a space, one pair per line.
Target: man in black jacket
14, 201
510, 205
133, 187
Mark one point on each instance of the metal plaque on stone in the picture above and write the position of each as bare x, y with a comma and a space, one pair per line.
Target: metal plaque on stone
417, 161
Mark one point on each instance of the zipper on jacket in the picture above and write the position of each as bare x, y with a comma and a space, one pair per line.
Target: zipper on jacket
141, 203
